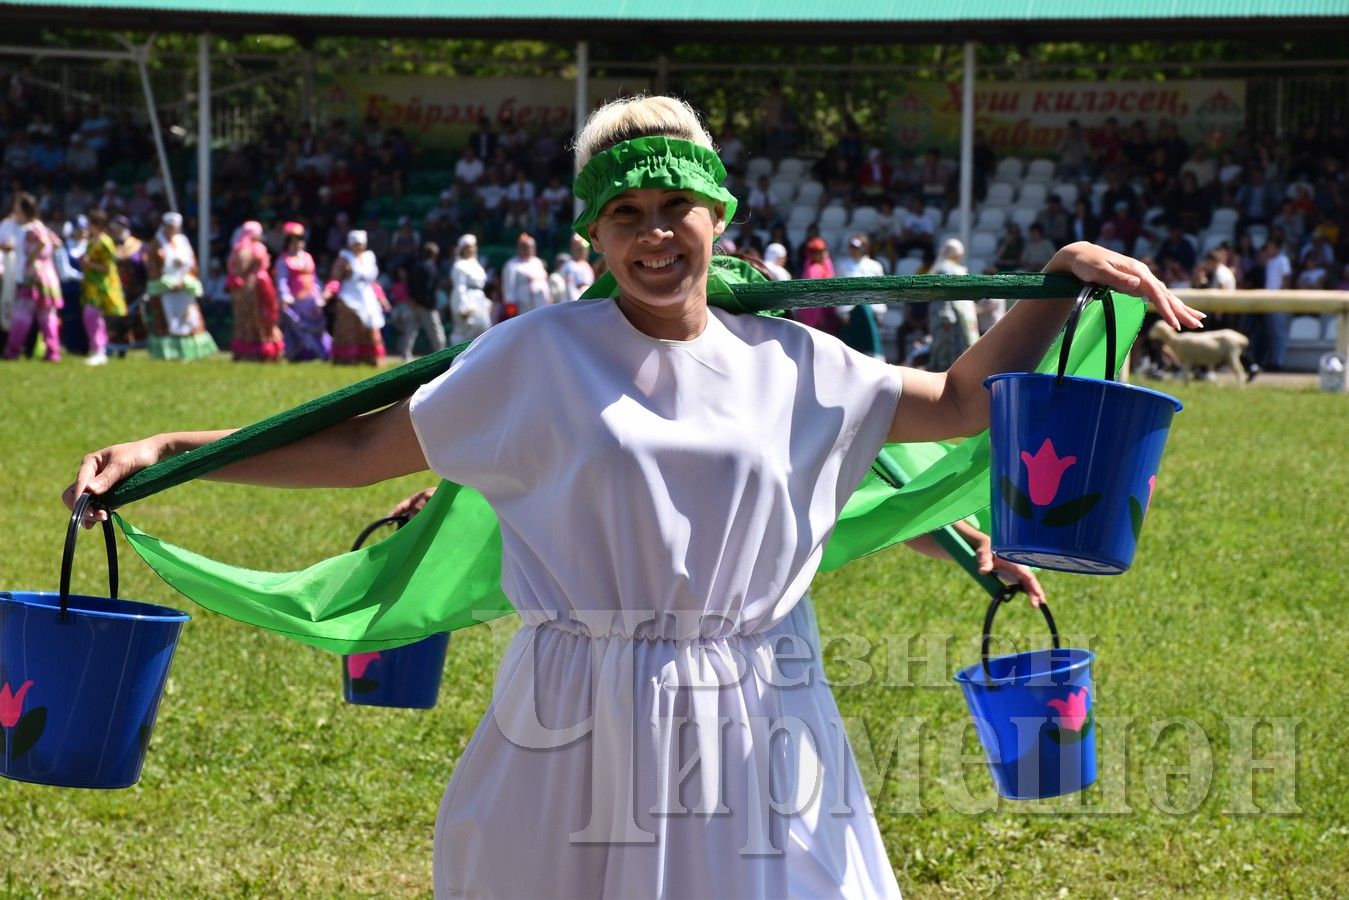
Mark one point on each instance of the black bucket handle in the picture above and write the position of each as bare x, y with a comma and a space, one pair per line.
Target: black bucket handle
82, 503
993, 605
401, 519
1088, 292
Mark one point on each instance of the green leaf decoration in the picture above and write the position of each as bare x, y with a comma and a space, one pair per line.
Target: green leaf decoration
1073, 511
363, 685
27, 732
1016, 499
1136, 517
1068, 736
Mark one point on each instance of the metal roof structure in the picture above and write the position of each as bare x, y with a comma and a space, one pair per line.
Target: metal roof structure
660, 21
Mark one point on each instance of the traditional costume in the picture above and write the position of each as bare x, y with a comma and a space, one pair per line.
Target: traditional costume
302, 320
359, 313
39, 294
176, 327
253, 296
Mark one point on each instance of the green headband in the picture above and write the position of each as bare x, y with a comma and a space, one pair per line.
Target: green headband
649, 162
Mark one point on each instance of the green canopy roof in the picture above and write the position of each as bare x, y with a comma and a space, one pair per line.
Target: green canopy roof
865, 21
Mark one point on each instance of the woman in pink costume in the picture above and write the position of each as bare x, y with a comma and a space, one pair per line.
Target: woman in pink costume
39, 295
302, 319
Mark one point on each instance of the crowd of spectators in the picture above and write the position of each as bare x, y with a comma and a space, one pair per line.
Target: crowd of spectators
1254, 212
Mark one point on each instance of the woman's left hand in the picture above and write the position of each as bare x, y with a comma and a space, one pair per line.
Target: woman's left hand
1009, 572
1097, 265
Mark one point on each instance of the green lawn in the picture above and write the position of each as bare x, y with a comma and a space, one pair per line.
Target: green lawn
261, 782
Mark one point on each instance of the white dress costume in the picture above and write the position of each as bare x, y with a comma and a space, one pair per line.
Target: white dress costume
663, 508
524, 282
180, 305
470, 308
357, 291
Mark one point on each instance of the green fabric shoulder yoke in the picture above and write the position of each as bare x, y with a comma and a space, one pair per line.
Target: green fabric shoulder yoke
442, 571
398, 384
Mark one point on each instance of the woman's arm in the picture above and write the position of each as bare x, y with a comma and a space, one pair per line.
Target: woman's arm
358, 452
941, 405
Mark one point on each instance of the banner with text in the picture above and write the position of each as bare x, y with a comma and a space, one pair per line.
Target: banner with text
443, 112
1029, 118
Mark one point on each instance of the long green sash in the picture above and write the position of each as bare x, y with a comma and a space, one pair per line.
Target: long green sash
442, 571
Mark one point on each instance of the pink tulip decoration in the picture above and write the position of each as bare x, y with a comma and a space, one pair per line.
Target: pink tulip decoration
1072, 713
11, 705
357, 663
1045, 470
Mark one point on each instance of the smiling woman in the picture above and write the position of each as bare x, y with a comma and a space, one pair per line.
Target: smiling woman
666, 476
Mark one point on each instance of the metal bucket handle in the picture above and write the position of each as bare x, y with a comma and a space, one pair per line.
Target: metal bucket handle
993, 605
82, 503
1089, 291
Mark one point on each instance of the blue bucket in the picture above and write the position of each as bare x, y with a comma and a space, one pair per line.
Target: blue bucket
407, 677
81, 679
1033, 713
1074, 462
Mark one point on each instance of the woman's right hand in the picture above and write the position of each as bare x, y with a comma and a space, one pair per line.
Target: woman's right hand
102, 469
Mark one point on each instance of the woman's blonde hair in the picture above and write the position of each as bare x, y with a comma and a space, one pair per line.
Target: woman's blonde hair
633, 117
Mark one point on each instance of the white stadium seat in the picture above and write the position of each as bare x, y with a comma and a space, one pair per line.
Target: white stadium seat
1040, 170
809, 192
759, 165
1032, 195
792, 168
833, 217
1009, 169
999, 194
991, 218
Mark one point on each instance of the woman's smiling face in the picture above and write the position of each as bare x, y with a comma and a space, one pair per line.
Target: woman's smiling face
658, 244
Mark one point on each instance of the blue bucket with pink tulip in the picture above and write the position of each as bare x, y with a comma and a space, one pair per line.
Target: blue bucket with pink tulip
1033, 714
1074, 462
407, 677
81, 678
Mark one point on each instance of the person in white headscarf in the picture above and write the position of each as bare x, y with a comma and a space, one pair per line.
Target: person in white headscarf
470, 308
775, 261
176, 327
361, 307
954, 323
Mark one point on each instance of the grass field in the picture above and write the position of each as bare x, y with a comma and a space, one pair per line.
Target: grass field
261, 782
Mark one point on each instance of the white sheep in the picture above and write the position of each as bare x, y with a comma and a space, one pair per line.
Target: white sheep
1203, 348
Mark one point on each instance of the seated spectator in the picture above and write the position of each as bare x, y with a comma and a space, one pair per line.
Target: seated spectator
1317, 263
343, 191
917, 229
1124, 225
1159, 180
730, 148
1202, 166
556, 205
1007, 258
81, 159
520, 212
1175, 247
1055, 221
907, 177
1175, 276
1137, 148
1039, 250
1214, 273
1083, 226
1118, 190
469, 170
1107, 145
935, 178
49, 158
95, 128
404, 246
838, 181
859, 262
140, 209
1074, 154
386, 172
1189, 205
873, 176
1293, 223
18, 154
1229, 171
491, 194
1257, 200
1109, 239
763, 204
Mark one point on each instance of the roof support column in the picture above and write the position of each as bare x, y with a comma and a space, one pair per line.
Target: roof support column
967, 148
204, 153
142, 58
582, 96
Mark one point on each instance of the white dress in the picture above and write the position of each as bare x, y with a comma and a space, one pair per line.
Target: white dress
663, 508
357, 291
470, 310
